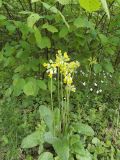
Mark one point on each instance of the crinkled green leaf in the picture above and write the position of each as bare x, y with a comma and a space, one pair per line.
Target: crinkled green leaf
83, 129
31, 140
85, 155
61, 146
46, 156
47, 115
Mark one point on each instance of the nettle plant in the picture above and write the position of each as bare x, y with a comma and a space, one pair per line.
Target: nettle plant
59, 137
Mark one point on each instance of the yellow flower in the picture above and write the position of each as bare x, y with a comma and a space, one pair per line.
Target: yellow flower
66, 58
59, 52
45, 64
54, 65
68, 79
50, 71
50, 75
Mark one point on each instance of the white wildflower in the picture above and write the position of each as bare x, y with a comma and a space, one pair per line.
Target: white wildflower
110, 76
84, 84
95, 84
91, 89
97, 91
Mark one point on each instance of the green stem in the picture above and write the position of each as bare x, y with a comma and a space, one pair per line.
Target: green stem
58, 88
62, 108
51, 95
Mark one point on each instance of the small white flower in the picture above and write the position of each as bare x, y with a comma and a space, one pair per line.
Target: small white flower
102, 81
95, 84
84, 84
110, 76
100, 90
91, 89
97, 92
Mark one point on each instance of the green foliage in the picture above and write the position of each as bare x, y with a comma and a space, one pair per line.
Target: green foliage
31, 140
31, 33
61, 146
90, 5
83, 129
46, 156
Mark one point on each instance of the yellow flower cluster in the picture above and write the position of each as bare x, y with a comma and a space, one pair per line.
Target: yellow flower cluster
66, 68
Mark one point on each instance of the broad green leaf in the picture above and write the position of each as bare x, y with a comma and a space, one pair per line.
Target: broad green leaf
74, 139
49, 138
42, 42
31, 140
103, 38
85, 155
26, 12
61, 146
78, 147
10, 27
33, 1
63, 32
46, 156
97, 68
2, 17
83, 129
64, 20
18, 85
32, 19
0, 3
42, 85
50, 8
47, 115
108, 67
56, 11
95, 141
90, 5
105, 6
38, 36
118, 2
64, 2
45, 43
30, 88
83, 22
50, 28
